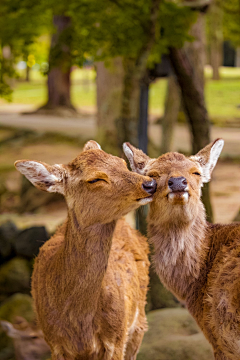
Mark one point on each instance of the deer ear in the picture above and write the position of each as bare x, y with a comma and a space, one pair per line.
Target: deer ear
45, 177
208, 157
9, 329
137, 159
91, 145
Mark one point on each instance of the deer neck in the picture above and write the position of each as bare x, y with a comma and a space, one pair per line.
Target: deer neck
84, 259
180, 251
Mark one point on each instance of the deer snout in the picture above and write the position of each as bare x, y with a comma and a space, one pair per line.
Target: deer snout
177, 183
149, 186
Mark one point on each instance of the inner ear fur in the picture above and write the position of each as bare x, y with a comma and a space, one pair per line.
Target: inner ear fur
207, 158
136, 157
43, 176
91, 145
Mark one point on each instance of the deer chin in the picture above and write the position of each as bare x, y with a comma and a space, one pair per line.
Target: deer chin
178, 197
145, 201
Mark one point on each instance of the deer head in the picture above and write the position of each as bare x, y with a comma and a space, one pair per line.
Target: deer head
29, 343
179, 179
98, 186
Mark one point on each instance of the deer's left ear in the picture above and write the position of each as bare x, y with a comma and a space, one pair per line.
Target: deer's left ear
91, 145
9, 329
43, 176
208, 157
137, 159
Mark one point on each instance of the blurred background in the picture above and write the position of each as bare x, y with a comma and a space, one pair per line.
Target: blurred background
161, 74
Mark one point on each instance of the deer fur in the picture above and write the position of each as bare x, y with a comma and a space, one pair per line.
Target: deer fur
90, 279
198, 261
28, 340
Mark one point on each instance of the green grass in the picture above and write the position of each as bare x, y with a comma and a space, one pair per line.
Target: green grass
222, 97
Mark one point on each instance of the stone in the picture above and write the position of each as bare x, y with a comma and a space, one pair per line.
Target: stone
28, 241
8, 231
174, 335
15, 276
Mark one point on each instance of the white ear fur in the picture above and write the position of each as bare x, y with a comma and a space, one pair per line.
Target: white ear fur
9, 329
43, 176
129, 154
91, 145
208, 166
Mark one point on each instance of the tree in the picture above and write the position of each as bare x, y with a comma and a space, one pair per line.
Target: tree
188, 65
231, 21
215, 36
21, 23
171, 111
60, 62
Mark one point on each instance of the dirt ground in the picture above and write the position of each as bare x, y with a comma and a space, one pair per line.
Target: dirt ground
225, 185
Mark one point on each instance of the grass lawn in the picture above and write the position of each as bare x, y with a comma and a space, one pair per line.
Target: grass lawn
222, 96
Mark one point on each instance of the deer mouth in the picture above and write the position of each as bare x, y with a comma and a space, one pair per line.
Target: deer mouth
146, 200
180, 197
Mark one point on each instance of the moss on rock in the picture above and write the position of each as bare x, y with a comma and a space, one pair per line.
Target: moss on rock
174, 335
15, 276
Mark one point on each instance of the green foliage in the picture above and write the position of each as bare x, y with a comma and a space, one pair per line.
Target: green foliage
112, 28
98, 30
21, 22
231, 21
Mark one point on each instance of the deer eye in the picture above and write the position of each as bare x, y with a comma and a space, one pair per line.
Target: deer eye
196, 173
95, 180
153, 175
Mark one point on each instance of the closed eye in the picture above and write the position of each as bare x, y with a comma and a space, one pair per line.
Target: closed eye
95, 180
196, 173
153, 175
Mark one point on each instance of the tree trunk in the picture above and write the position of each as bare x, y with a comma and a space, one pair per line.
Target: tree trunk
189, 65
28, 69
109, 95
172, 107
59, 82
237, 62
215, 38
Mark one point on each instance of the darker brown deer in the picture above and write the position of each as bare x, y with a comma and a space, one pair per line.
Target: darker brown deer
28, 340
199, 262
90, 279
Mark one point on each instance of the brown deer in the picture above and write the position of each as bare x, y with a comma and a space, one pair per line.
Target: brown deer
90, 279
28, 340
198, 261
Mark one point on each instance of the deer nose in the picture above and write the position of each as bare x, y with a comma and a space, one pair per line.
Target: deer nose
177, 183
150, 186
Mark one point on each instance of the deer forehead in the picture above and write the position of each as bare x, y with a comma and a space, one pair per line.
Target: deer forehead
174, 164
96, 160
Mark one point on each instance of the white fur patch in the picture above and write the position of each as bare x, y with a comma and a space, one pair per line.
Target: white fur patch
110, 348
134, 323
145, 200
184, 197
129, 154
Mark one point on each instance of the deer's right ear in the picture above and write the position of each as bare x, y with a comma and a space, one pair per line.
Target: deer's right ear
45, 177
208, 157
137, 159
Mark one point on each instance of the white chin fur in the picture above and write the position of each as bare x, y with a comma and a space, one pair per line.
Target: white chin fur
145, 200
184, 196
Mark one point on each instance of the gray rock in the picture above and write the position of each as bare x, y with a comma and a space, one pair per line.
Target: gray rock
174, 335
28, 241
8, 231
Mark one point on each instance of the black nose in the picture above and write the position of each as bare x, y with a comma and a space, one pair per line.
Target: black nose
177, 183
150, 186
